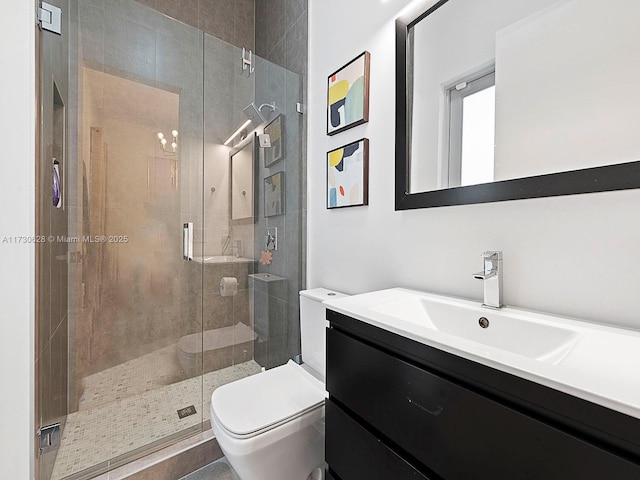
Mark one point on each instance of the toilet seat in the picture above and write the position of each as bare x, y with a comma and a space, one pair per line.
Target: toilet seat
259, 403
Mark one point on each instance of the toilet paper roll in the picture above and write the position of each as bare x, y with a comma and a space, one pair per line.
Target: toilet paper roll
228, 286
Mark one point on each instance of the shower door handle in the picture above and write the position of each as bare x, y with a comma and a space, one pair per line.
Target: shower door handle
187, 241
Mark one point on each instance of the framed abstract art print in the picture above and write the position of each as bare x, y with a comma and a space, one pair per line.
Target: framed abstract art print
348, 95
348, 175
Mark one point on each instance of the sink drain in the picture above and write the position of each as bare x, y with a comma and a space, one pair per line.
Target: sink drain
483, 322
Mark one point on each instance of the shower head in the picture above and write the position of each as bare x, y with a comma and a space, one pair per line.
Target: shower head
255, 114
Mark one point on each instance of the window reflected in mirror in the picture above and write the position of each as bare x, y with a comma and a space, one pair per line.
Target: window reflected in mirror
472, 111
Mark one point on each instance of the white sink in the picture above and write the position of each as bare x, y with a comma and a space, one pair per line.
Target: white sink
588, 360
504, 329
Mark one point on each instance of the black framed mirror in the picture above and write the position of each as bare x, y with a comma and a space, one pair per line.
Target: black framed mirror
599, 150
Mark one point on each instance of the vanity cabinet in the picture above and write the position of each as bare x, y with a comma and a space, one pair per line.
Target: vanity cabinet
399, 409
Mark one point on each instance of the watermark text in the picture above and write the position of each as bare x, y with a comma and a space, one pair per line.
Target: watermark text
30, 239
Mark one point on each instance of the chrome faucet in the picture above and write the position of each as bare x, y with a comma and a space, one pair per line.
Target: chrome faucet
492, 279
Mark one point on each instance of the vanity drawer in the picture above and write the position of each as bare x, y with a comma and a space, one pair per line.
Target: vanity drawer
355, 454
455, 432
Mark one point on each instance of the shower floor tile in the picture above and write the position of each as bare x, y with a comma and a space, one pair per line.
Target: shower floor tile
143, 374
98, 434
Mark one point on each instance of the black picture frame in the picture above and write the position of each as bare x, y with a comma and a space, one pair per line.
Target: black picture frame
337, 109
275, 130
332, 194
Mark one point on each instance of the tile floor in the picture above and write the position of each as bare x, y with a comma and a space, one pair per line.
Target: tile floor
142, 374
218, 470
127, 407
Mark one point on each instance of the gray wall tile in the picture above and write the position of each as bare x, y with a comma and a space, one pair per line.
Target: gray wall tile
134, 11
261, 28
129, 48
148, 3
270, 25
217, 19
296, 46
185, 11
232, 21
91, 24
244, 14
295, 8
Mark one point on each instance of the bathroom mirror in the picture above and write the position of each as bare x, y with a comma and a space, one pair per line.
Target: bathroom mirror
511, 99
242, 159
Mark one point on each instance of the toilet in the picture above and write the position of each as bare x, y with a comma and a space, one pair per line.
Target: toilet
270, 426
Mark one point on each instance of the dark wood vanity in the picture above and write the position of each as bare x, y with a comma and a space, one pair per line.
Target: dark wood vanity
399, 409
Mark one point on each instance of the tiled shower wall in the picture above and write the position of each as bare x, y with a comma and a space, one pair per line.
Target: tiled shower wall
282, 33
281, 38
229, 20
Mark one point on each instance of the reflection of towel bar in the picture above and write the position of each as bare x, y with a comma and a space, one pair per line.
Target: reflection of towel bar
187, 241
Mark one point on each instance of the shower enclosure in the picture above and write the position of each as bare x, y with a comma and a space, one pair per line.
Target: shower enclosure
156, 213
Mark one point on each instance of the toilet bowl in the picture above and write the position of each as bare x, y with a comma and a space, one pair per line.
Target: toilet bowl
270, 426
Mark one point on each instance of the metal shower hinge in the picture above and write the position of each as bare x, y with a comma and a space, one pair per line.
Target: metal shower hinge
247, 62
50, 18
48, 438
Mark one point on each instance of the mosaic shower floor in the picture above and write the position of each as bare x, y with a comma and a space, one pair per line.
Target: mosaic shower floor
138, 411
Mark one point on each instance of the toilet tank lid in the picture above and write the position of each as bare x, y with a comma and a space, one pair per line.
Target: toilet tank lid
321, 294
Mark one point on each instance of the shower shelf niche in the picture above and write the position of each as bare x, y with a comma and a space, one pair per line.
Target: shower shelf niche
222, 259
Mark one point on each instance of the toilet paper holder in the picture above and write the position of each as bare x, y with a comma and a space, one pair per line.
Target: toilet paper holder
228, 286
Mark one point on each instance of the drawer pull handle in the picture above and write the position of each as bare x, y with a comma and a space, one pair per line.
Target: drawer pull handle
435, 412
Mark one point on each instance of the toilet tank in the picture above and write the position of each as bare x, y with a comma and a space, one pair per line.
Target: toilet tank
313, 322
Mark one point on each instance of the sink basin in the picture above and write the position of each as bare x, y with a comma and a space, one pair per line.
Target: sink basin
503, 329
595, 362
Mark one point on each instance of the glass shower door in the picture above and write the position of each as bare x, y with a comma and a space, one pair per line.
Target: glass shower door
250, 190
136, 180
150, 108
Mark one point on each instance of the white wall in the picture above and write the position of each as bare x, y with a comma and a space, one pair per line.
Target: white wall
454, 42
17, 217
569, 96
576, 255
